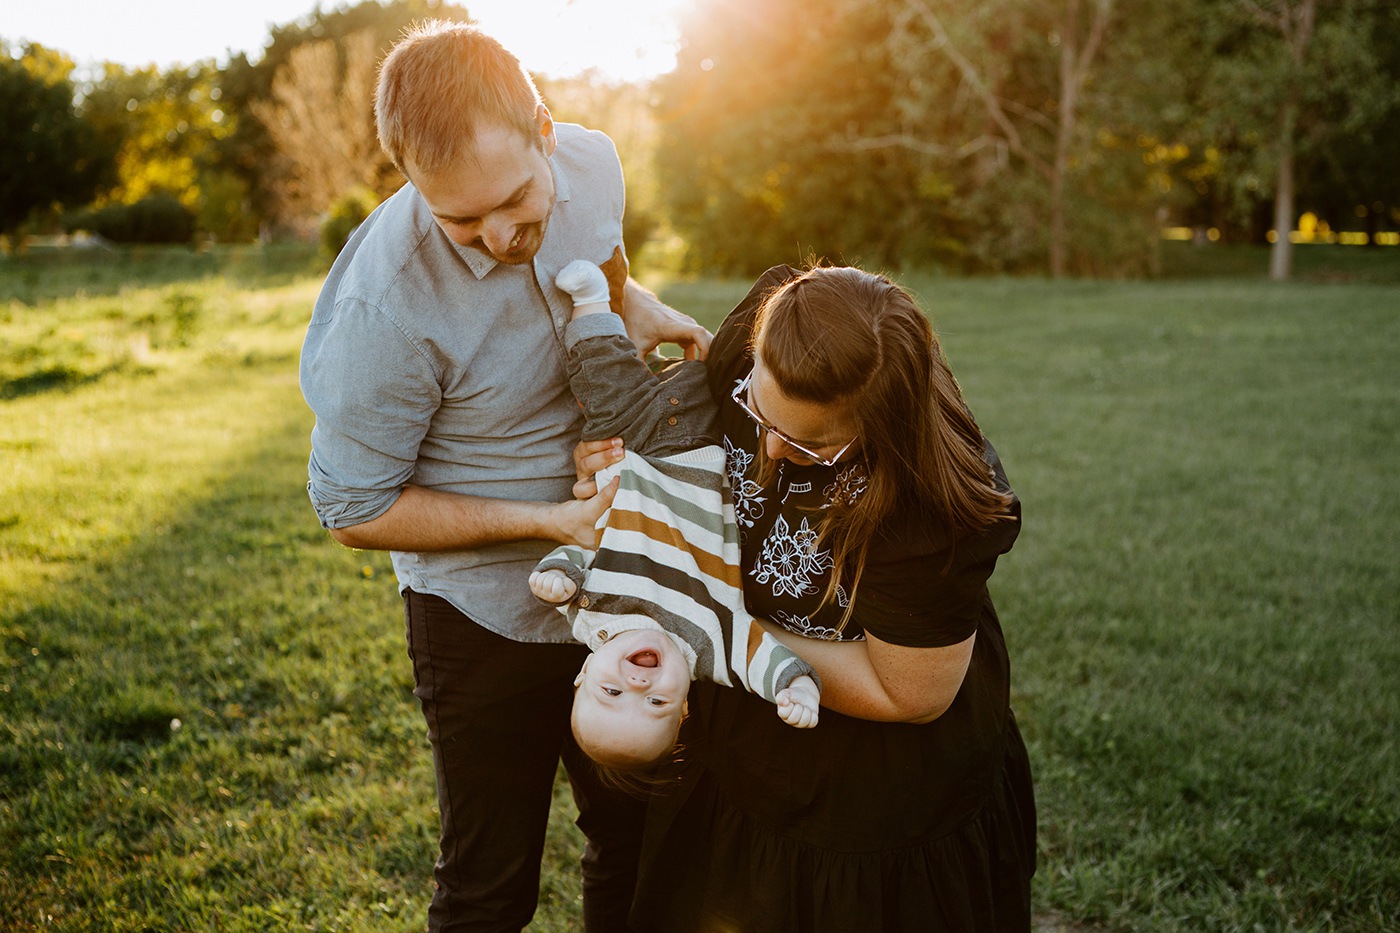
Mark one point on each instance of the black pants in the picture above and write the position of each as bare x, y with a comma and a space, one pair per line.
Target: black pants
498, 719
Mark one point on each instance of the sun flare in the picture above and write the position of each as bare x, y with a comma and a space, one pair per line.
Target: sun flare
622, 39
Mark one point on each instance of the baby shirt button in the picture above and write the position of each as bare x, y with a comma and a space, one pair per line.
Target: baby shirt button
671, 420
584, 602
675, 401
602, 634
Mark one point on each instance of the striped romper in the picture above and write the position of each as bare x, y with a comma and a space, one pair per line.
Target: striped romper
668, 557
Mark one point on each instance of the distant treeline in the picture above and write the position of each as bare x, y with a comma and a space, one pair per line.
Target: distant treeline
1052, 136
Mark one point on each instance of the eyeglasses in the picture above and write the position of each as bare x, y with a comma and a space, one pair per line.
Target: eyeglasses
741, 398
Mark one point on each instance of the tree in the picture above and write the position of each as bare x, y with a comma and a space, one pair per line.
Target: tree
1353, 176
52, 155
1029, 86
1077, 58
747, 121
984, 136
250, 153
317, 119
1294, 22
1022, 134
166, 128
1292, 93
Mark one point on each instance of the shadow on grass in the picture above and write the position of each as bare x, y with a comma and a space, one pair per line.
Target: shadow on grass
61, 378
189, 713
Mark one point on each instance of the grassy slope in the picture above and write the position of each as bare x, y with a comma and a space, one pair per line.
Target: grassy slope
1200, 610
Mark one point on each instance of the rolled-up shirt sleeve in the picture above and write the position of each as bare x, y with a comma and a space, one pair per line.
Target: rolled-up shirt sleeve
374, 394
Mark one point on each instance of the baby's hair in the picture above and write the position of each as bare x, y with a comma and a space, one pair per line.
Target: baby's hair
640, 777
643, 780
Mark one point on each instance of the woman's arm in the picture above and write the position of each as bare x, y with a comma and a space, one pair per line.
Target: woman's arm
872, 679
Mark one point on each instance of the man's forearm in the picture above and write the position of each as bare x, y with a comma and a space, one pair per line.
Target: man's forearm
428, 520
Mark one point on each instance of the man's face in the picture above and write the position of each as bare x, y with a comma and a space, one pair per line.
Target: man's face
498, 202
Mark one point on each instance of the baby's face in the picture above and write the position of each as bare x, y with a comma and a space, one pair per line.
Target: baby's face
631, 692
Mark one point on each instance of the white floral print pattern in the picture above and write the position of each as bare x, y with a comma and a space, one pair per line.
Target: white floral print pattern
802, 625
748, 497
790, 558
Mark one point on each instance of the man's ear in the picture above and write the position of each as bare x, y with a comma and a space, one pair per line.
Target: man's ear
545, 124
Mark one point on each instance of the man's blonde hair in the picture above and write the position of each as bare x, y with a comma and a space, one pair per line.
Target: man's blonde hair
439, 85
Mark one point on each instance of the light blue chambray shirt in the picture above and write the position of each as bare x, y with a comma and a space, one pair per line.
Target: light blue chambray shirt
430, 364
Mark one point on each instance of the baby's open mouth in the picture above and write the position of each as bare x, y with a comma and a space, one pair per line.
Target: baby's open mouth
644, 658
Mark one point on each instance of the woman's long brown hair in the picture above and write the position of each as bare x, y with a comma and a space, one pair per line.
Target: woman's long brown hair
841, 336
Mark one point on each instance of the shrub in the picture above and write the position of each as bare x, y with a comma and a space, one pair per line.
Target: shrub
347, 213
157, 218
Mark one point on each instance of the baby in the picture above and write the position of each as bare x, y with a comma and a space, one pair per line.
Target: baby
660, 602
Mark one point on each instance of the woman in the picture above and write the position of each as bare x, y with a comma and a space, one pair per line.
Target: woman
873, 512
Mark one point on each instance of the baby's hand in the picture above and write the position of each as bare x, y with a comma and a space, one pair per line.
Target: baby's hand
552, 586
798, 704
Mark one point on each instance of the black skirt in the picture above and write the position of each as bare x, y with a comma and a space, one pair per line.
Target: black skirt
853, 825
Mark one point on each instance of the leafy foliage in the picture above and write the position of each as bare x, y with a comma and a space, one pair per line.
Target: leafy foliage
52, 155
156, 218
1235, 75
164, 125
904, 131
276, 172
1013, 135
747, 164
1001, 136
347, 213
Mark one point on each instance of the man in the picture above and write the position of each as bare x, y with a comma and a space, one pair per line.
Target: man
444, 433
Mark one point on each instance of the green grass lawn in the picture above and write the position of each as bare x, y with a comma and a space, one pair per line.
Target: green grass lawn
205, 710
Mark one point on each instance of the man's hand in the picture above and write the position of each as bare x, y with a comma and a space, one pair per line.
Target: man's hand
576, 522
798, 704
651, 323
589, 458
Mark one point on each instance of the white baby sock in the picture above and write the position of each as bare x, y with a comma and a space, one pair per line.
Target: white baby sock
584, 282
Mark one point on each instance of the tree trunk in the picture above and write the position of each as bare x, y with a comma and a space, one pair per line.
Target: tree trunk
1281, 253
1295, 24
1076, 60
1064, 138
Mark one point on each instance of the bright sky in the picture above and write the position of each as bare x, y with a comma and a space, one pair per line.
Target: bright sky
624, 39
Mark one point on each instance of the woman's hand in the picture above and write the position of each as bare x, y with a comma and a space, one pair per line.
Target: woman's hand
589, 458
576, 522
